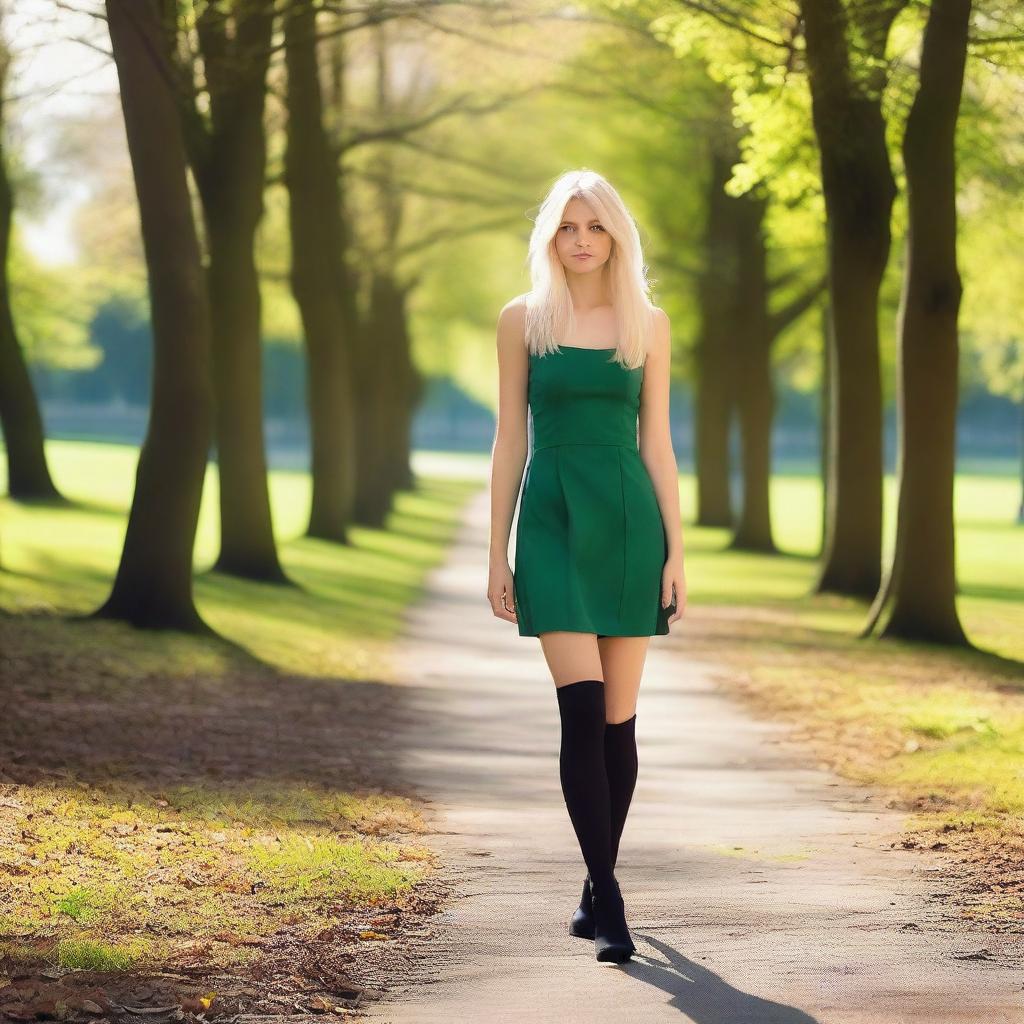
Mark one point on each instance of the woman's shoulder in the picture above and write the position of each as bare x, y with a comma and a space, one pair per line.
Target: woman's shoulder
512, 318
660, 318
512, 324
515, 308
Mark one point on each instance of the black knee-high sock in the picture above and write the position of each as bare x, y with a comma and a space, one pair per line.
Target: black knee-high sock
621, 764
582, 771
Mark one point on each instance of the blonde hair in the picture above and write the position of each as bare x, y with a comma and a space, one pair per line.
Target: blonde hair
549, 312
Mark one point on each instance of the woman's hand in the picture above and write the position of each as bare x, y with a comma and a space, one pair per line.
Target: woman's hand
501, 593
673, 578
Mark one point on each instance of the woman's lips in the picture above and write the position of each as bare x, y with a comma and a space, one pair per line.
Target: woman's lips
581, 255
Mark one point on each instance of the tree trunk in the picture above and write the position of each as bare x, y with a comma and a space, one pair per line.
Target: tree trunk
713, 355
28, 476
153, 586
921, 584
229, 165
375, 401
827, 347
318, 280
755, 388
409, 386
859, 191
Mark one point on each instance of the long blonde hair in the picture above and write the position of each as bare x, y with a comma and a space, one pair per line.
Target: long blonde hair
549, 312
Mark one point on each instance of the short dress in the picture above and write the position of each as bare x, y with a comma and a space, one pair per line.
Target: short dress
590, 539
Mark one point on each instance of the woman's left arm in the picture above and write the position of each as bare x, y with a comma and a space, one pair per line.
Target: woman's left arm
659, 457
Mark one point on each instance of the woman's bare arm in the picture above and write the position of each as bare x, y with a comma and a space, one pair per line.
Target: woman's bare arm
508, 454
659, 457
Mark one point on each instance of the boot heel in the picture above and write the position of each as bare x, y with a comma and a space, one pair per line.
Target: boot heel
612, 941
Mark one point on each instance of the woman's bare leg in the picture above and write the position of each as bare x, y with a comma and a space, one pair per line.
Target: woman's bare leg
571, 656
622, 664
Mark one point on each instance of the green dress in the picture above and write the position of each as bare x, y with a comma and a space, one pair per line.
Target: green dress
590, 540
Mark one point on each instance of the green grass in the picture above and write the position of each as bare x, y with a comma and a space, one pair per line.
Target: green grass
339, 622
223, 822
90, 955
944, 728
989, 557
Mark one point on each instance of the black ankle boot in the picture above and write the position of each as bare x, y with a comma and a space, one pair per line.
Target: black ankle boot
582, 921
612, 940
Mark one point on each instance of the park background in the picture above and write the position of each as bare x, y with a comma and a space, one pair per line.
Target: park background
271, 241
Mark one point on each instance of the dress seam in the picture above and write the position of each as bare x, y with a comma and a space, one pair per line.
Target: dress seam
625, 534
593, 444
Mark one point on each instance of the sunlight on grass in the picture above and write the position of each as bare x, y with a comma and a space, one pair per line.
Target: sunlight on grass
940, 726
299, 868
990, 553
338, 621
93, 955
154, 840
109, 863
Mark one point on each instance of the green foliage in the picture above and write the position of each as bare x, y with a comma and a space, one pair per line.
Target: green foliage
52, 308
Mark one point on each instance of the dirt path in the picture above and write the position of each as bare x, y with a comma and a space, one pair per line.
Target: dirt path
759, 889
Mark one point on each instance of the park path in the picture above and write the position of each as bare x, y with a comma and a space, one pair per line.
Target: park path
760, 889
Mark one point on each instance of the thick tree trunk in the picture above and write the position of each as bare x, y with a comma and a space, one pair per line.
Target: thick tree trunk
859, 191
825, 415
318, 280
376, 401
28, 476
920, 590
153, 586
713, 355
755, 388
229, 165
389, 390
409, 387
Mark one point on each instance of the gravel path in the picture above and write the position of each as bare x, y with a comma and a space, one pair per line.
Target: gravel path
759, 888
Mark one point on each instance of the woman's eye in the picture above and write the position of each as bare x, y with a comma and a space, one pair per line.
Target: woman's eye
598, 226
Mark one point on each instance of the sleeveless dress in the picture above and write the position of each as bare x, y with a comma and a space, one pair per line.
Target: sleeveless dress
590, 541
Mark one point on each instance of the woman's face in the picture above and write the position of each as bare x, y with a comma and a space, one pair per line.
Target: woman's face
581, 241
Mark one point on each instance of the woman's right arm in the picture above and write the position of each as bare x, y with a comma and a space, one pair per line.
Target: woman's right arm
508, 454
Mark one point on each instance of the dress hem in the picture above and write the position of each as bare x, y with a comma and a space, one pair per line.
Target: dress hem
599, 633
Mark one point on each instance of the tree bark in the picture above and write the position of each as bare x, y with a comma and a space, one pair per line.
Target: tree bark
153, 585
859, 191
229, 162
378, 398
825, 414
28, 475
319, 281
755, 388
920, 589
714, 355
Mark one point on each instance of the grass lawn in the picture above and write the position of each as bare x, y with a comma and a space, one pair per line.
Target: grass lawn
174, 804
175, 801
943, 728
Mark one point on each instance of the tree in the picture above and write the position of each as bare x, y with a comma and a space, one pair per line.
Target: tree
846, 47
28, 475
153, 585
227, 151
323, 295
920, 588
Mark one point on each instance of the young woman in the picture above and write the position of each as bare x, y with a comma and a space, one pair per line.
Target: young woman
599, 556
